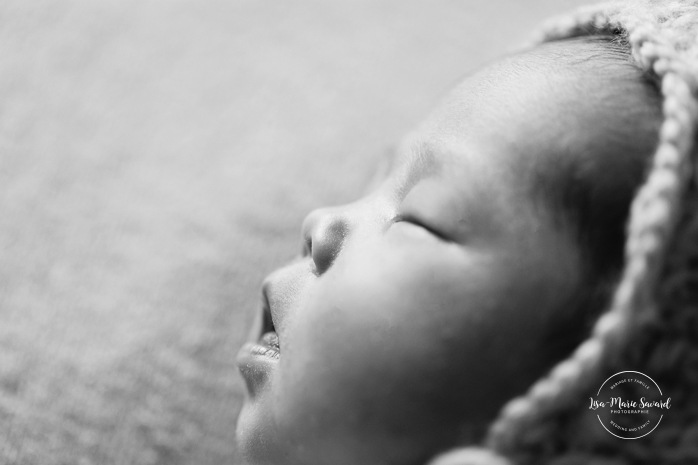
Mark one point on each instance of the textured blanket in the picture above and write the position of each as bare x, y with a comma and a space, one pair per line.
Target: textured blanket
156, 160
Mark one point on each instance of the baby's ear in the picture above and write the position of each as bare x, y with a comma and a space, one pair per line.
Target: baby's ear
470, 456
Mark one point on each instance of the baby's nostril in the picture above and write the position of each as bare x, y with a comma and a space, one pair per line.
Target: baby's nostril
307, 247
327, 242
323, 234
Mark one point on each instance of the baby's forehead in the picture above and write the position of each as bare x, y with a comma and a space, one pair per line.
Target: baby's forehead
536, 125
576, 98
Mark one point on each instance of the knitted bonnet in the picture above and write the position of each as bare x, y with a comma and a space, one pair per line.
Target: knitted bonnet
651, 324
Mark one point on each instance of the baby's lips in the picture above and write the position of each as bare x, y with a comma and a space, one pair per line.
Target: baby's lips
255, 364
280, 290
267, 319
256, 329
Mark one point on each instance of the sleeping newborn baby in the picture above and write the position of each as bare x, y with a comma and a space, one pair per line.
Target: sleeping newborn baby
490, 253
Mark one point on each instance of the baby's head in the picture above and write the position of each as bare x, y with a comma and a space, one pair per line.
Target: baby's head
482, 260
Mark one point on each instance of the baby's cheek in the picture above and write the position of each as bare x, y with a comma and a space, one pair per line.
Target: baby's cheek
377, 335
361, 349
396, 342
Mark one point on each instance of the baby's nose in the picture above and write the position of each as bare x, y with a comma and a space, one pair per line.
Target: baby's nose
324, 231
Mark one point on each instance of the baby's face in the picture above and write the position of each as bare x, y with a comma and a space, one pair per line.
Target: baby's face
423, 307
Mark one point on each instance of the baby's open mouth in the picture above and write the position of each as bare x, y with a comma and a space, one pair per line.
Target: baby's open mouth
257, 357
268, 343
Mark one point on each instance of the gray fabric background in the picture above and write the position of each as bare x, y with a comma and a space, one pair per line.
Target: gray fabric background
156, 160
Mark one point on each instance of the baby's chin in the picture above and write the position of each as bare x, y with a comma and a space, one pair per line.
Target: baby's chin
255, 436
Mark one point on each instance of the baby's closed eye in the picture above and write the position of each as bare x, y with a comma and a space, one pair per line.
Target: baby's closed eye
412, 220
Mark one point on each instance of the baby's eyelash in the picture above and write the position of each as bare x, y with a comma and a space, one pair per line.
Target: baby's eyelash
416, 221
